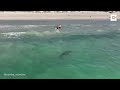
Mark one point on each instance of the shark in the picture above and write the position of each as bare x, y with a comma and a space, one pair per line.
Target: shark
65, 53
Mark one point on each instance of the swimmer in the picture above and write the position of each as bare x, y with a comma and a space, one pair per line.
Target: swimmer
57, 28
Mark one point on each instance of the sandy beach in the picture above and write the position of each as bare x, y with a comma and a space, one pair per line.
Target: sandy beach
41, 15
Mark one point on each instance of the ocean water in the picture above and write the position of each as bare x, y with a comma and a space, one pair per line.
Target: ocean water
84, 49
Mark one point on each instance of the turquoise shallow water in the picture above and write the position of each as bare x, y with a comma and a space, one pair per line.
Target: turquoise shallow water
32, 49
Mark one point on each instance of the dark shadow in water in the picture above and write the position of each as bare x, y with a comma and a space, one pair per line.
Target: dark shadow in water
65, 53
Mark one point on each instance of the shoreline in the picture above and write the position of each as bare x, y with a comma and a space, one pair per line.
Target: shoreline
44, 19
82, 15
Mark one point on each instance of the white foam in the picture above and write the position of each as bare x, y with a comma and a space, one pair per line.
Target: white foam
99, 30
6, 26
29, 26
75, 24
15, 34
47, 25
86, 25
14, 27
57, 31
46, 32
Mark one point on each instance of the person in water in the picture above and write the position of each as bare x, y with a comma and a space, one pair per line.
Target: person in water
57, 28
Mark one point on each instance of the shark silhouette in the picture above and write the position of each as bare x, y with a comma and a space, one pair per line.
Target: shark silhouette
64, 54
